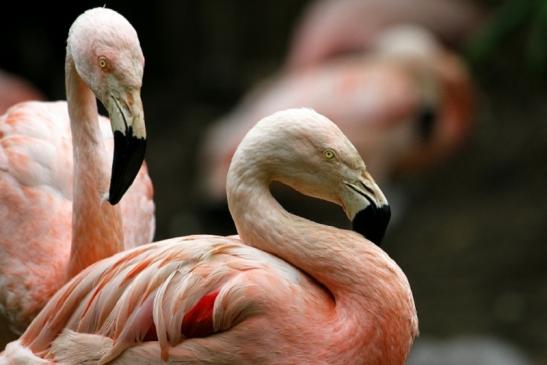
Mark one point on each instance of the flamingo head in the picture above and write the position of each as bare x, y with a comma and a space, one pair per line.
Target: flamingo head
308, 152
107, 56
407, 41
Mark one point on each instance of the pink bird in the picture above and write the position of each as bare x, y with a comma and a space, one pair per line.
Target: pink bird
331, 28
407, 105
289, 291
14, 90
56, 215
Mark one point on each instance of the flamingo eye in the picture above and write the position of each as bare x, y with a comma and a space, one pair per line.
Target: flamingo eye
103, 63
329, 154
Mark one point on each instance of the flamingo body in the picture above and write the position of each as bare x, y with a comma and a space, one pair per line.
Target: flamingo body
176, 293
289, 291
36, 191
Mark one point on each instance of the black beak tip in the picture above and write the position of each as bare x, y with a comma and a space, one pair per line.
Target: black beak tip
128, 157
114, 199
372, 222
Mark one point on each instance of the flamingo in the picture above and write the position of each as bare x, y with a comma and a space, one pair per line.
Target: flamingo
407, 105
50, 228
286, 291
331, 28
14, 90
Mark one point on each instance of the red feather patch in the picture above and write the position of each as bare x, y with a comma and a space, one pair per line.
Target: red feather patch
198, 321
151, 334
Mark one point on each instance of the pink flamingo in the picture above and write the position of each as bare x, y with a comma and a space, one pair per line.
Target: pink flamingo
306, 293
407, 105
330, 28
50, 228
14, 90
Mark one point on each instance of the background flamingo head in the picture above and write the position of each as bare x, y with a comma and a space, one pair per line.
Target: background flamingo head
107, 55
407, 41
308, 152
447, 93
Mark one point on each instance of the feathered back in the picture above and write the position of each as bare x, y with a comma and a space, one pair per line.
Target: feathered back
166, 291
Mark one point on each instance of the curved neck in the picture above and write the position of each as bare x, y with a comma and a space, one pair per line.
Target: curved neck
96, 225
374, 305
330, 255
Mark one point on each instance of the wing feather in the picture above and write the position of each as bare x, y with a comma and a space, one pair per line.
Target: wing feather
146, 294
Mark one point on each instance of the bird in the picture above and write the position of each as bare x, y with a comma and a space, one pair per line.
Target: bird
407, 104
14, 89
286, 290
333, 28
56, 206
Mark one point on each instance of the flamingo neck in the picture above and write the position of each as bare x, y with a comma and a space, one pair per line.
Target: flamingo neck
374, 308
96, 225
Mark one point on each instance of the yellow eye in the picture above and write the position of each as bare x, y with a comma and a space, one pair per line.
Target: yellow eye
102, 62
329, 154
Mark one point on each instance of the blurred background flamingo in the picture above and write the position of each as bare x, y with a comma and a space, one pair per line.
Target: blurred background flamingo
334, 28
210, 299
407, 103
14, 90
56, 220
486, 205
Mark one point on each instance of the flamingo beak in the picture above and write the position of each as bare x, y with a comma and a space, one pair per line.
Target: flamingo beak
372, 222
368, 208
127, 119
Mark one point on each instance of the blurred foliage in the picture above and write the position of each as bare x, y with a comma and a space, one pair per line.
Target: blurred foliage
516, 35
